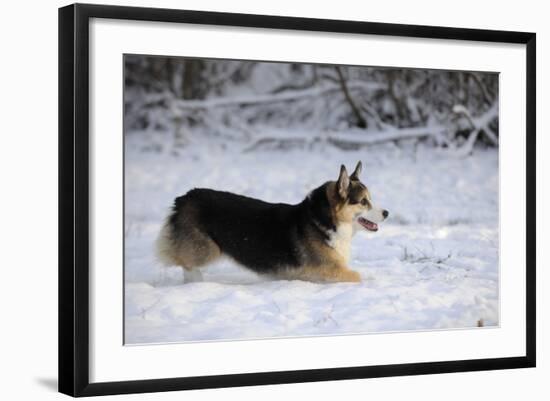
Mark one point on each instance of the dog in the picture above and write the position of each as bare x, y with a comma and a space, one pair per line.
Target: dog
308, 241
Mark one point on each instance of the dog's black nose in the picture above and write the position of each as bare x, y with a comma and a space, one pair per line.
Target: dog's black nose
385, 213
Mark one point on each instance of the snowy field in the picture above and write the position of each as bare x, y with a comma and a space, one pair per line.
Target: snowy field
432, 265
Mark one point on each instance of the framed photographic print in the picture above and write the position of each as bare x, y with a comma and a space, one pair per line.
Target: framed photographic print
251, 199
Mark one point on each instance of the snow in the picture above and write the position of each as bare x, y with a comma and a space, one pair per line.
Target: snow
433, 264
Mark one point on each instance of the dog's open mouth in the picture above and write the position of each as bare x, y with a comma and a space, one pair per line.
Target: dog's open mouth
369, 225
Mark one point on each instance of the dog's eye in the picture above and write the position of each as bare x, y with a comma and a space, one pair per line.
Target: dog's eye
364, 201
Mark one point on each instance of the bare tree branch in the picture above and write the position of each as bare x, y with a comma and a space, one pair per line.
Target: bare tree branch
482, 88
361, 122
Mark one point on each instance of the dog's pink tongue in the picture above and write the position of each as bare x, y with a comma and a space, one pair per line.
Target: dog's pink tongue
369, 225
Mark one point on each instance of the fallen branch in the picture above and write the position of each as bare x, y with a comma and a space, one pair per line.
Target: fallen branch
359, 138
365, 138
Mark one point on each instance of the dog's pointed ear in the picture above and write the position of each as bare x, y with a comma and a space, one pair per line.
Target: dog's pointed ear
342, 184
355, 175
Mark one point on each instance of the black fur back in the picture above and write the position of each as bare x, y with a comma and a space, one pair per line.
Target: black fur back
259, 235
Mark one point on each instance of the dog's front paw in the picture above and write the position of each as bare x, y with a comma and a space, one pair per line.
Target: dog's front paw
350, 276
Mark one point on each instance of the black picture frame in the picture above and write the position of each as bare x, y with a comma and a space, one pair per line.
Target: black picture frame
74, 198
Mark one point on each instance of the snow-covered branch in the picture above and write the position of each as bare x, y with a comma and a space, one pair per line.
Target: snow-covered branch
364, 138
269, 98
479, 124
359, 138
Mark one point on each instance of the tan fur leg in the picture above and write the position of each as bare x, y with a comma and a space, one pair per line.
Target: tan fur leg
195, 250
189, 249
351, 276
340, 274
330, 274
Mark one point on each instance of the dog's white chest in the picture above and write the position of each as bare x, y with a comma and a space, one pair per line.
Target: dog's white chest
340, 240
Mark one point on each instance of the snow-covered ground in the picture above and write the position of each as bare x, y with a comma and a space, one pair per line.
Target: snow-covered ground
432, 265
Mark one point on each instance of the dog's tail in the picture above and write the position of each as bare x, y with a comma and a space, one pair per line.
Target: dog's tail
166, 243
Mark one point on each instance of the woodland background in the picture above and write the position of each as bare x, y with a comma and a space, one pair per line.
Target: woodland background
345, 106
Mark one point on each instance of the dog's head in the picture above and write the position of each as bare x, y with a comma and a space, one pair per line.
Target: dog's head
352, 201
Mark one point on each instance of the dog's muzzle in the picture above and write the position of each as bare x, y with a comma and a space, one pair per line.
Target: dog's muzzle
371, 225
